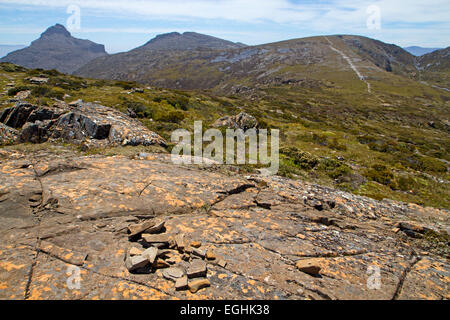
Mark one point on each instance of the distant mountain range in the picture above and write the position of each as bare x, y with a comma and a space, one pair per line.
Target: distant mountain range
420, 51
56, 49
6, 48
171, 61
195, 61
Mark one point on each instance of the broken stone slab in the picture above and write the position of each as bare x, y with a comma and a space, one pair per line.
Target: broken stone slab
196, 244
150, 254
179, 240
161, 264
222, 263
210, 255
197, 268
136, 262
199, 252
155, 238
136, 230
63, 254
309, 266
196, 285
181, 283
173, 273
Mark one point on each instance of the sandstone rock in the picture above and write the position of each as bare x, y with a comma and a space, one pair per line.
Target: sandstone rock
135, 252
79, 122
242, 121
150, 254
196, 244
173, 273
135, 231
222, 263
197, 268
210, 255
155, 238
181, 283
180, 242
135, 263
308, 266
196, 285
161, 264
199, 252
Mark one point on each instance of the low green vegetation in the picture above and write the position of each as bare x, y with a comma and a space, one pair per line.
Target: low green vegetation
392, 144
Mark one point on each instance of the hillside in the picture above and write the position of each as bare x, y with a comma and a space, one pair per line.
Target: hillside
392, 142
56, 49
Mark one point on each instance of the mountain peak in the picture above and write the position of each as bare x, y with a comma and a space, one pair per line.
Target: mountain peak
188, 41
56, 29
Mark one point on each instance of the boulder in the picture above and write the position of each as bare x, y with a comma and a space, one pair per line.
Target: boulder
242, 121
81, 123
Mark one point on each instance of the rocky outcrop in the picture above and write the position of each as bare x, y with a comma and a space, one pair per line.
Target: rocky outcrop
242, 121
266, 237
86, 124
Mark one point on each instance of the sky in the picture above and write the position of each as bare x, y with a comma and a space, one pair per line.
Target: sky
125, 24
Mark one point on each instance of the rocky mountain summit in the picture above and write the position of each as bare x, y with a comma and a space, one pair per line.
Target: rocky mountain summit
267, 237
56, 49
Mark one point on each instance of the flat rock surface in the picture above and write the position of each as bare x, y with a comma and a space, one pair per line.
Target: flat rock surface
60, 215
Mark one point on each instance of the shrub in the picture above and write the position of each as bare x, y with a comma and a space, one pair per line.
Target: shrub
302, 159
380, 173
172, 117
45, 91
333, 168
13, 91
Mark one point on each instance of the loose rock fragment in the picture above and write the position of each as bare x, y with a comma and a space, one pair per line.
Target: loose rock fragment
179, 240
161, 264
308, 266
173, 273
199, 252
181, 283
222, 263
135, 252
136, 230
210, 255
136, 262
150, 254
196, 285
155, 238
196, 244
197, 268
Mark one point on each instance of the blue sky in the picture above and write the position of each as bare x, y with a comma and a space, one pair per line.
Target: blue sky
125, 24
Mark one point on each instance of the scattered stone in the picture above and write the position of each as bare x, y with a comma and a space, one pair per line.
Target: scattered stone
136, 230
150, 254
136, 263
210, 255
196, 285
181, 283
173, 273
199, 252
308, 266
197, 268
135, 252
222, 263
179, 240
155, 238
161, 264
196, 244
